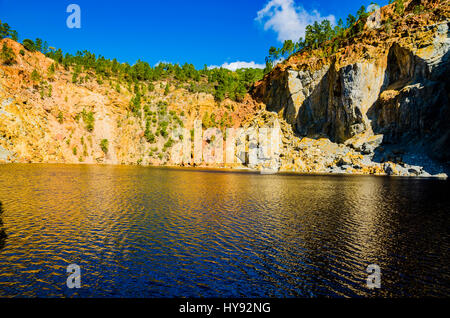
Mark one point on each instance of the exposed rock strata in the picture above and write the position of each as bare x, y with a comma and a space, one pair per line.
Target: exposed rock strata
396, 88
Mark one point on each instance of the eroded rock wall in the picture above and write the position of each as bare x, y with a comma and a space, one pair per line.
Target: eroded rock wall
414, 103
401, 93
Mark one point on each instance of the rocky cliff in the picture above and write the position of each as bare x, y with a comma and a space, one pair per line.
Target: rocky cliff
49, 118
383, 92
377, 105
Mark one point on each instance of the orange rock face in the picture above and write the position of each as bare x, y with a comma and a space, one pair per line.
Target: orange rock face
41, 118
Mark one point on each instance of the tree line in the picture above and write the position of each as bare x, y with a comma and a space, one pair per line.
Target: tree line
220, 82
324, 35
317, 34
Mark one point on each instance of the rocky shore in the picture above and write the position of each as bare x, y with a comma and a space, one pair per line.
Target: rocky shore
308, 155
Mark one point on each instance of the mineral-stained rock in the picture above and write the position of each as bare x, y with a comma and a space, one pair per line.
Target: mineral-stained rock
4, 155
397, 94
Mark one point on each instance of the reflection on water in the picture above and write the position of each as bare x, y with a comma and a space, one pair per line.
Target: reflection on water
146, 232
2, 230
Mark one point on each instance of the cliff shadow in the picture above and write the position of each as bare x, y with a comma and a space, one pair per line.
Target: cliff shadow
312, 119
412, 112
327, 111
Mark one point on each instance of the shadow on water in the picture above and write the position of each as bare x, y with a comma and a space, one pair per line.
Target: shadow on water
2, 230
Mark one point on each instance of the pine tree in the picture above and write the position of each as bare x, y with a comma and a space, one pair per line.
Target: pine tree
167, 89
7, 55
29, 45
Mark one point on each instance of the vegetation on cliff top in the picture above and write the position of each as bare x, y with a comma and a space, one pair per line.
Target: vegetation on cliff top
319, 33
220, 82
332, 38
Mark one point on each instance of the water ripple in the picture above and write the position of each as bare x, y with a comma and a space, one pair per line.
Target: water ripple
145, 232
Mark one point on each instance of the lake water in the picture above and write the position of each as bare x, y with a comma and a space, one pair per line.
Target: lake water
149, 232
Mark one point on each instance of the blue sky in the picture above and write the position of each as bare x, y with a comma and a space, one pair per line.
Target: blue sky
211, 32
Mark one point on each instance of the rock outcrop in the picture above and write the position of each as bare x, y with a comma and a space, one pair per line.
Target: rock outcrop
388, 83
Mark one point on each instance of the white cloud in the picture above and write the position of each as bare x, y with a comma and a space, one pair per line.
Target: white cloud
161, 62
237, 65
287, 19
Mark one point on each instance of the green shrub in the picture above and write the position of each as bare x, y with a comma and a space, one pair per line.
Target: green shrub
418, 9
51, 70
135, 105
164, 124
399, 7
85, 153
150, 136
99, 80
29, 45
88, 118
147, 110
7, 55
104, 144
35, 77
61, 118
169, 143
74, 77
41, 92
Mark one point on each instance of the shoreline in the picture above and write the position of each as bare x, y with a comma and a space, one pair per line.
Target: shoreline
243, 170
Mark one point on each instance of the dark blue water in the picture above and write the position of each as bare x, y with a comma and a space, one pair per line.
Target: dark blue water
147, 232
